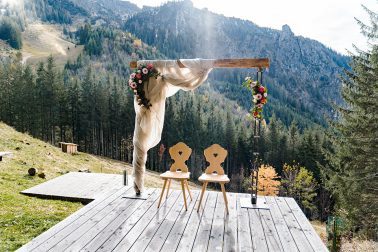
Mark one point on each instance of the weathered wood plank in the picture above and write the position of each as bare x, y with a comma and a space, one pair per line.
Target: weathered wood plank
60, 240
270, 231
244, 230
203, 234
164, 223
170, 231
88, 209
189, 235
153, 216
78, 242
76, 186
113, 223
230, 225
287, 241
125, 226
294, 228
94, 243
257, 232
315, 241
217, 229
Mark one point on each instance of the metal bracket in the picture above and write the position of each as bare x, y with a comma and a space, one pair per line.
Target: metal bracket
247, 203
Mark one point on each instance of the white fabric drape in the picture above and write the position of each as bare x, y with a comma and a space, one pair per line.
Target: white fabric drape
149, 122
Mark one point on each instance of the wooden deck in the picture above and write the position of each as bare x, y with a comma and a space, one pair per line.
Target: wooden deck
115, 223
77, 186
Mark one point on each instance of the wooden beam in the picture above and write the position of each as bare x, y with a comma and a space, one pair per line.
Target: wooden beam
229, 63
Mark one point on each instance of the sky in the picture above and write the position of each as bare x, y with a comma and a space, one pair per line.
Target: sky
329, 21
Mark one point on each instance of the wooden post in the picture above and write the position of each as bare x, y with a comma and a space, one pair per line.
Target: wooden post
227, 63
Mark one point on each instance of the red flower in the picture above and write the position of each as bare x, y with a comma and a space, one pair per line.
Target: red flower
149, 66
261, 89
138, 76
255, 114
263, 100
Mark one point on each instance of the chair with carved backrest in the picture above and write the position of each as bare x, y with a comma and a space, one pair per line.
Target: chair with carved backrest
180, 153
214, 173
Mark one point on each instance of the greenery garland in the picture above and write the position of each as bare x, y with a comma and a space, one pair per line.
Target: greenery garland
260, 96
138, 79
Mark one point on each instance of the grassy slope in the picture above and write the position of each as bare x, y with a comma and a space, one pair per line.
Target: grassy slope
23, 217
42, 40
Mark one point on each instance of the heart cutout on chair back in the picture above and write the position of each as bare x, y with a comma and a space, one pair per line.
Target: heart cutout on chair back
180, 153
215, 155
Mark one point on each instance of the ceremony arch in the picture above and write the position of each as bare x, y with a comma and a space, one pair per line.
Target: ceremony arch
183, 74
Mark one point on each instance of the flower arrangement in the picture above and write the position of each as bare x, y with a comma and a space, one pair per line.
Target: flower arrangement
137, 81
260, 96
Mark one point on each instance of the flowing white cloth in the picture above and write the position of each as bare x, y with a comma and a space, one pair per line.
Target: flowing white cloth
149, 122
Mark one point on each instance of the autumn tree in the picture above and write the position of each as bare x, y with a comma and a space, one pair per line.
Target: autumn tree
268, 183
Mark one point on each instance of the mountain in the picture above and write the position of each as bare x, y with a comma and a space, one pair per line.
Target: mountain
302, 79
112, 12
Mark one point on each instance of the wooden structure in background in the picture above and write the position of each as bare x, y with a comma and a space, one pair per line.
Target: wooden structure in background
214, 173
180, 153
70, 148
228, 63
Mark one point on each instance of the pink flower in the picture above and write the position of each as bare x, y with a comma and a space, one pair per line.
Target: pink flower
261, 89
132, 85
150, 66
138, 76
145, 71
259, 105
132, 76
258, 96
140, 81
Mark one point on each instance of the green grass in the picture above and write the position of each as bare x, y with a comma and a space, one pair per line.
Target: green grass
22, 217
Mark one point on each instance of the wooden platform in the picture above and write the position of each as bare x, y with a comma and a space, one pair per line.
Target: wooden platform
77, 186
115, 223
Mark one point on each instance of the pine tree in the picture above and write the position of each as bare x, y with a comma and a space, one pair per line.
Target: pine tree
352, 171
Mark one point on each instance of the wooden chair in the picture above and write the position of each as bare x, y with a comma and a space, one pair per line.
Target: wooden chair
178, 170
214, 173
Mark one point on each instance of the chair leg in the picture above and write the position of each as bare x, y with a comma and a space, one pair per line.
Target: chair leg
169, 185
187, 187
162, 192
224, 196
183, 193
203, 191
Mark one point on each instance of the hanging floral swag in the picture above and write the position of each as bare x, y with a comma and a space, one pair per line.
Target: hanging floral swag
260, 96
138, 79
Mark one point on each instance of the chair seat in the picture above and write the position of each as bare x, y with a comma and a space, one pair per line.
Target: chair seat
214, 178
175, 175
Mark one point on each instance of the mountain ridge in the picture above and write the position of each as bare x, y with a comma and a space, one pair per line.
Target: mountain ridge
306, 69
